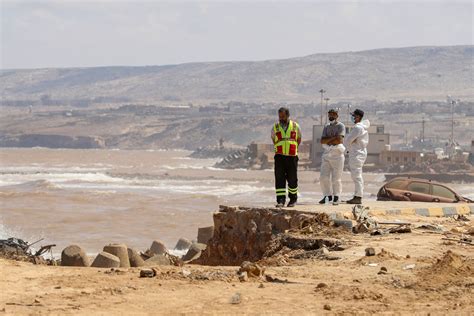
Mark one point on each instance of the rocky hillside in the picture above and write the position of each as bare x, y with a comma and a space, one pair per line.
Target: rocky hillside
416, 72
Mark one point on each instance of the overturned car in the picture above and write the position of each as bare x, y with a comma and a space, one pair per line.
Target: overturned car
419, 190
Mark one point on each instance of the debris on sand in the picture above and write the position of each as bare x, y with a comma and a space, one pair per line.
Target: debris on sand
251, 269
20, 250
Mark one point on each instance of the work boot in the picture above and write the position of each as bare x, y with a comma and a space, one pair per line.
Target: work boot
355, 200
335, 201
323, 201
280, 203
291, 203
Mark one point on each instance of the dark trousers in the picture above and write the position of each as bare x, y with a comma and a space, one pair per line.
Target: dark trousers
286, 168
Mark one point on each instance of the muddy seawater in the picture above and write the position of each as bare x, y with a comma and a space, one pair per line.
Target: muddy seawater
95, 197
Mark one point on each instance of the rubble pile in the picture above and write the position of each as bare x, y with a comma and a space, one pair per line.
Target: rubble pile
254, 234
20, 250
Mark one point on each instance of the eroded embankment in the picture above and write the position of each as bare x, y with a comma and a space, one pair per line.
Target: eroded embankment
252, 234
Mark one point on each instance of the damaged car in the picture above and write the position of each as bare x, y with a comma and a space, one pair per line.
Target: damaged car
419, 190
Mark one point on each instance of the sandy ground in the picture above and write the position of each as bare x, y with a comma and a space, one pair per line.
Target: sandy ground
346, 286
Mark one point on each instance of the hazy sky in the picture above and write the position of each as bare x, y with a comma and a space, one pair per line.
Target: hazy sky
38, 34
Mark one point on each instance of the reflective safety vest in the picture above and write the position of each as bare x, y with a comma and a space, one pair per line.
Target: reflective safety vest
286, 143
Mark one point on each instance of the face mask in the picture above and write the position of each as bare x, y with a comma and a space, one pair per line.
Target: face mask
331, 119
353, 119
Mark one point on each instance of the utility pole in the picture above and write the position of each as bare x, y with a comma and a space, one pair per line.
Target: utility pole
327, 100
322, 91
348, 114
423, 129
452, 102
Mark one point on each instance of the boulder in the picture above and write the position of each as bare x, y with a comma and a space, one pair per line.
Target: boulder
204, 234
74, 256
251, 269
158, 248
106, 260
134, 257
183, 244
121, 252
193, 253
369, 252
158, 260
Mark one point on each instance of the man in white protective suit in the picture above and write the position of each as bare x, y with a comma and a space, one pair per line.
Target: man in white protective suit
332, 159
356, 143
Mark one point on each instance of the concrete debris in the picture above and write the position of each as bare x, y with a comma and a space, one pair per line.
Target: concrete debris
365, 223
251, 269
134, 257
243, 276
236, 298
431, 227
409, 267
147, 273
158, 248
74, 256
18, 249
383, 270
204, 234
121, 252
193, 253
183, 244
369, 251
106, 260
161, 260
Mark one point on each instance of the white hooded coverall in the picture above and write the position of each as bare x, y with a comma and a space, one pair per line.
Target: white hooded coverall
356, 143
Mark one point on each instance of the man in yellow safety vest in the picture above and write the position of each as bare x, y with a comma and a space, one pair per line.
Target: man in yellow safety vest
286, 137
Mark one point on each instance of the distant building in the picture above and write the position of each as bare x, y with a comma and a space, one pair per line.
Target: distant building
400, 157
378, 141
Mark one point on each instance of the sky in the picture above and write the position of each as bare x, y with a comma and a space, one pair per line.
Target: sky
41, 34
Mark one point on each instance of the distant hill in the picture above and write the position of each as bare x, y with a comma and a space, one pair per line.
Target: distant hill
414, 72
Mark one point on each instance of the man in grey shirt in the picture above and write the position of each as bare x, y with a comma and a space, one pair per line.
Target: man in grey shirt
332, 159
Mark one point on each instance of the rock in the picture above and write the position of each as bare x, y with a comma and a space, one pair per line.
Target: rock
369, 251
327, 307
236, 298
134, 257
158, 248
243, 276
383, 270
160, 260
409, 266
183, 244
252, 269
344, 223
106, 260
193, 253
147, 273
470, 231
121, 252
200, 246
74, 256
204, 234
321, 285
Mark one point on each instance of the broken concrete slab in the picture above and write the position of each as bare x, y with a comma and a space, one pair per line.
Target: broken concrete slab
106, 260
134, 257
183, 244
158, 248
205, 234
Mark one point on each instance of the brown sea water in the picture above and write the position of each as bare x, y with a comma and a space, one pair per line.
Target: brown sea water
95, 197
